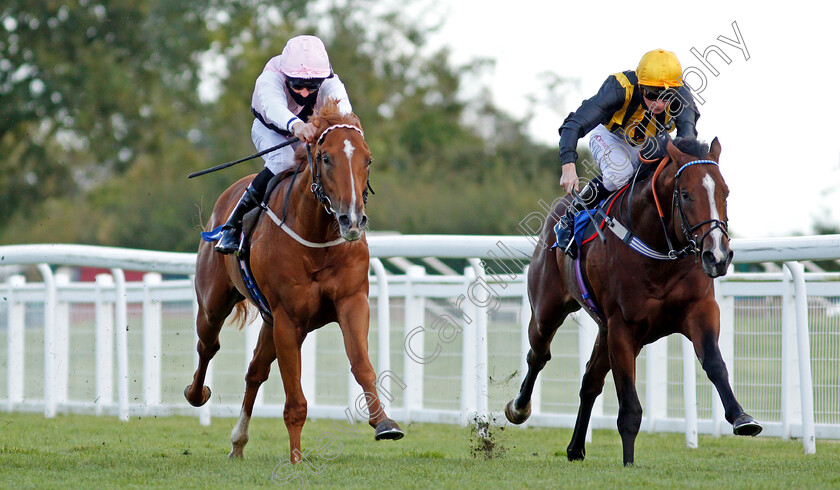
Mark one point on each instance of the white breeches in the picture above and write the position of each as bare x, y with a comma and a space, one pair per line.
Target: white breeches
616, 158
278, 160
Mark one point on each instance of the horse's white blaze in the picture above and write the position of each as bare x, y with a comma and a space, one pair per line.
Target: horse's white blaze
348, 150
717, 235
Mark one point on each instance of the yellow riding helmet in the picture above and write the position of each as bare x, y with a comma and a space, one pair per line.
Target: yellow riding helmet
659, 68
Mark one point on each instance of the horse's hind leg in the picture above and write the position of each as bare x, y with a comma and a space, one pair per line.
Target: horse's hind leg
705, 342
264, 355
550, 304
518, 410
216, 299
591, 386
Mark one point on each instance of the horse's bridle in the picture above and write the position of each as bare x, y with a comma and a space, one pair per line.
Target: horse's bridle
686, 227
634, 242
317, 187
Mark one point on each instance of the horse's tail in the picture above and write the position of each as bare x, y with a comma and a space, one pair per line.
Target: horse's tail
243, 315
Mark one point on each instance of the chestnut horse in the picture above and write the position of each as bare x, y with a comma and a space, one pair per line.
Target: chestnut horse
311, 272
637, 299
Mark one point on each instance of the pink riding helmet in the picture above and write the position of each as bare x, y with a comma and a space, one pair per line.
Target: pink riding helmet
305, 57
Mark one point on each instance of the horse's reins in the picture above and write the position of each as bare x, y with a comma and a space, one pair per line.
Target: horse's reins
317, 189
673, 254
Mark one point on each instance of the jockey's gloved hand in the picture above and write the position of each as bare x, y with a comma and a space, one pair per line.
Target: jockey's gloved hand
655, 147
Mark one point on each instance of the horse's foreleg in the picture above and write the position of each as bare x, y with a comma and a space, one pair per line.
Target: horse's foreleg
354, 320
623, 354
287, 342
264, 355
518, 410
591, 386
707, 350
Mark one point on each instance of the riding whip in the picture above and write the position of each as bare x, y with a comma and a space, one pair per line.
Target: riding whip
255, 155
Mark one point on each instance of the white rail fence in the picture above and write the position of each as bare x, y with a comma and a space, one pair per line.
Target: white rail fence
449, 348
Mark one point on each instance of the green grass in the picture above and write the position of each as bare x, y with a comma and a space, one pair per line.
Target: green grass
89, 452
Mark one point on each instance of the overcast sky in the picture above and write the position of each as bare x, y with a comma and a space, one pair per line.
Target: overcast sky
781, 148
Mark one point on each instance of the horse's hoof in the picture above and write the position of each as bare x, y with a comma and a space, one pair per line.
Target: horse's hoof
388, 429
205, 394
746, 426
575, 454
517, 416
235, 453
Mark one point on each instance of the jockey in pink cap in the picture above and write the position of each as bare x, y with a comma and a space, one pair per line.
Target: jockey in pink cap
291, 87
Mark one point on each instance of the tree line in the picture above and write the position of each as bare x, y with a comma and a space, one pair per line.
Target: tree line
107, 106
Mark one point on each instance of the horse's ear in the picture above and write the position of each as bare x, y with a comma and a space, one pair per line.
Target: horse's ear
714, 150
674, 152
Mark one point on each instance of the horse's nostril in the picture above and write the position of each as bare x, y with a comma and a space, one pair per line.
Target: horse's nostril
344, 221
363, 221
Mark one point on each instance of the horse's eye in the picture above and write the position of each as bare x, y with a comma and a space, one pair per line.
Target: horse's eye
370, 160
684, 195
326, 160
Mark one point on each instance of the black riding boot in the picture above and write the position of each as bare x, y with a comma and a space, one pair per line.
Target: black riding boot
590, 195
229, 242
567, 226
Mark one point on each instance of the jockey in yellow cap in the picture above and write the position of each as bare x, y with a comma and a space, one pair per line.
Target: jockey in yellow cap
629, 111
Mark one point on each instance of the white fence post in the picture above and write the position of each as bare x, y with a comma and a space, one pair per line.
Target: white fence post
689, 392
383, 329
803, 341
62, 338
16, 319
49, 340
122, 344
152, 318
414, 343
482, 299
656, 382
308, 366
104, 343
791, 401
468, 354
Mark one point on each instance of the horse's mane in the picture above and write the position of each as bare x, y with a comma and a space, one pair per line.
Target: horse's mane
327, 116
692, 146
686, 144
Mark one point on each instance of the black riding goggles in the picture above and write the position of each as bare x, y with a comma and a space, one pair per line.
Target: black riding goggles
653, 93
305, 83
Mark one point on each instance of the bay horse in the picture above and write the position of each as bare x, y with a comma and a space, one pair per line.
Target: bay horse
637, 299
312, 271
